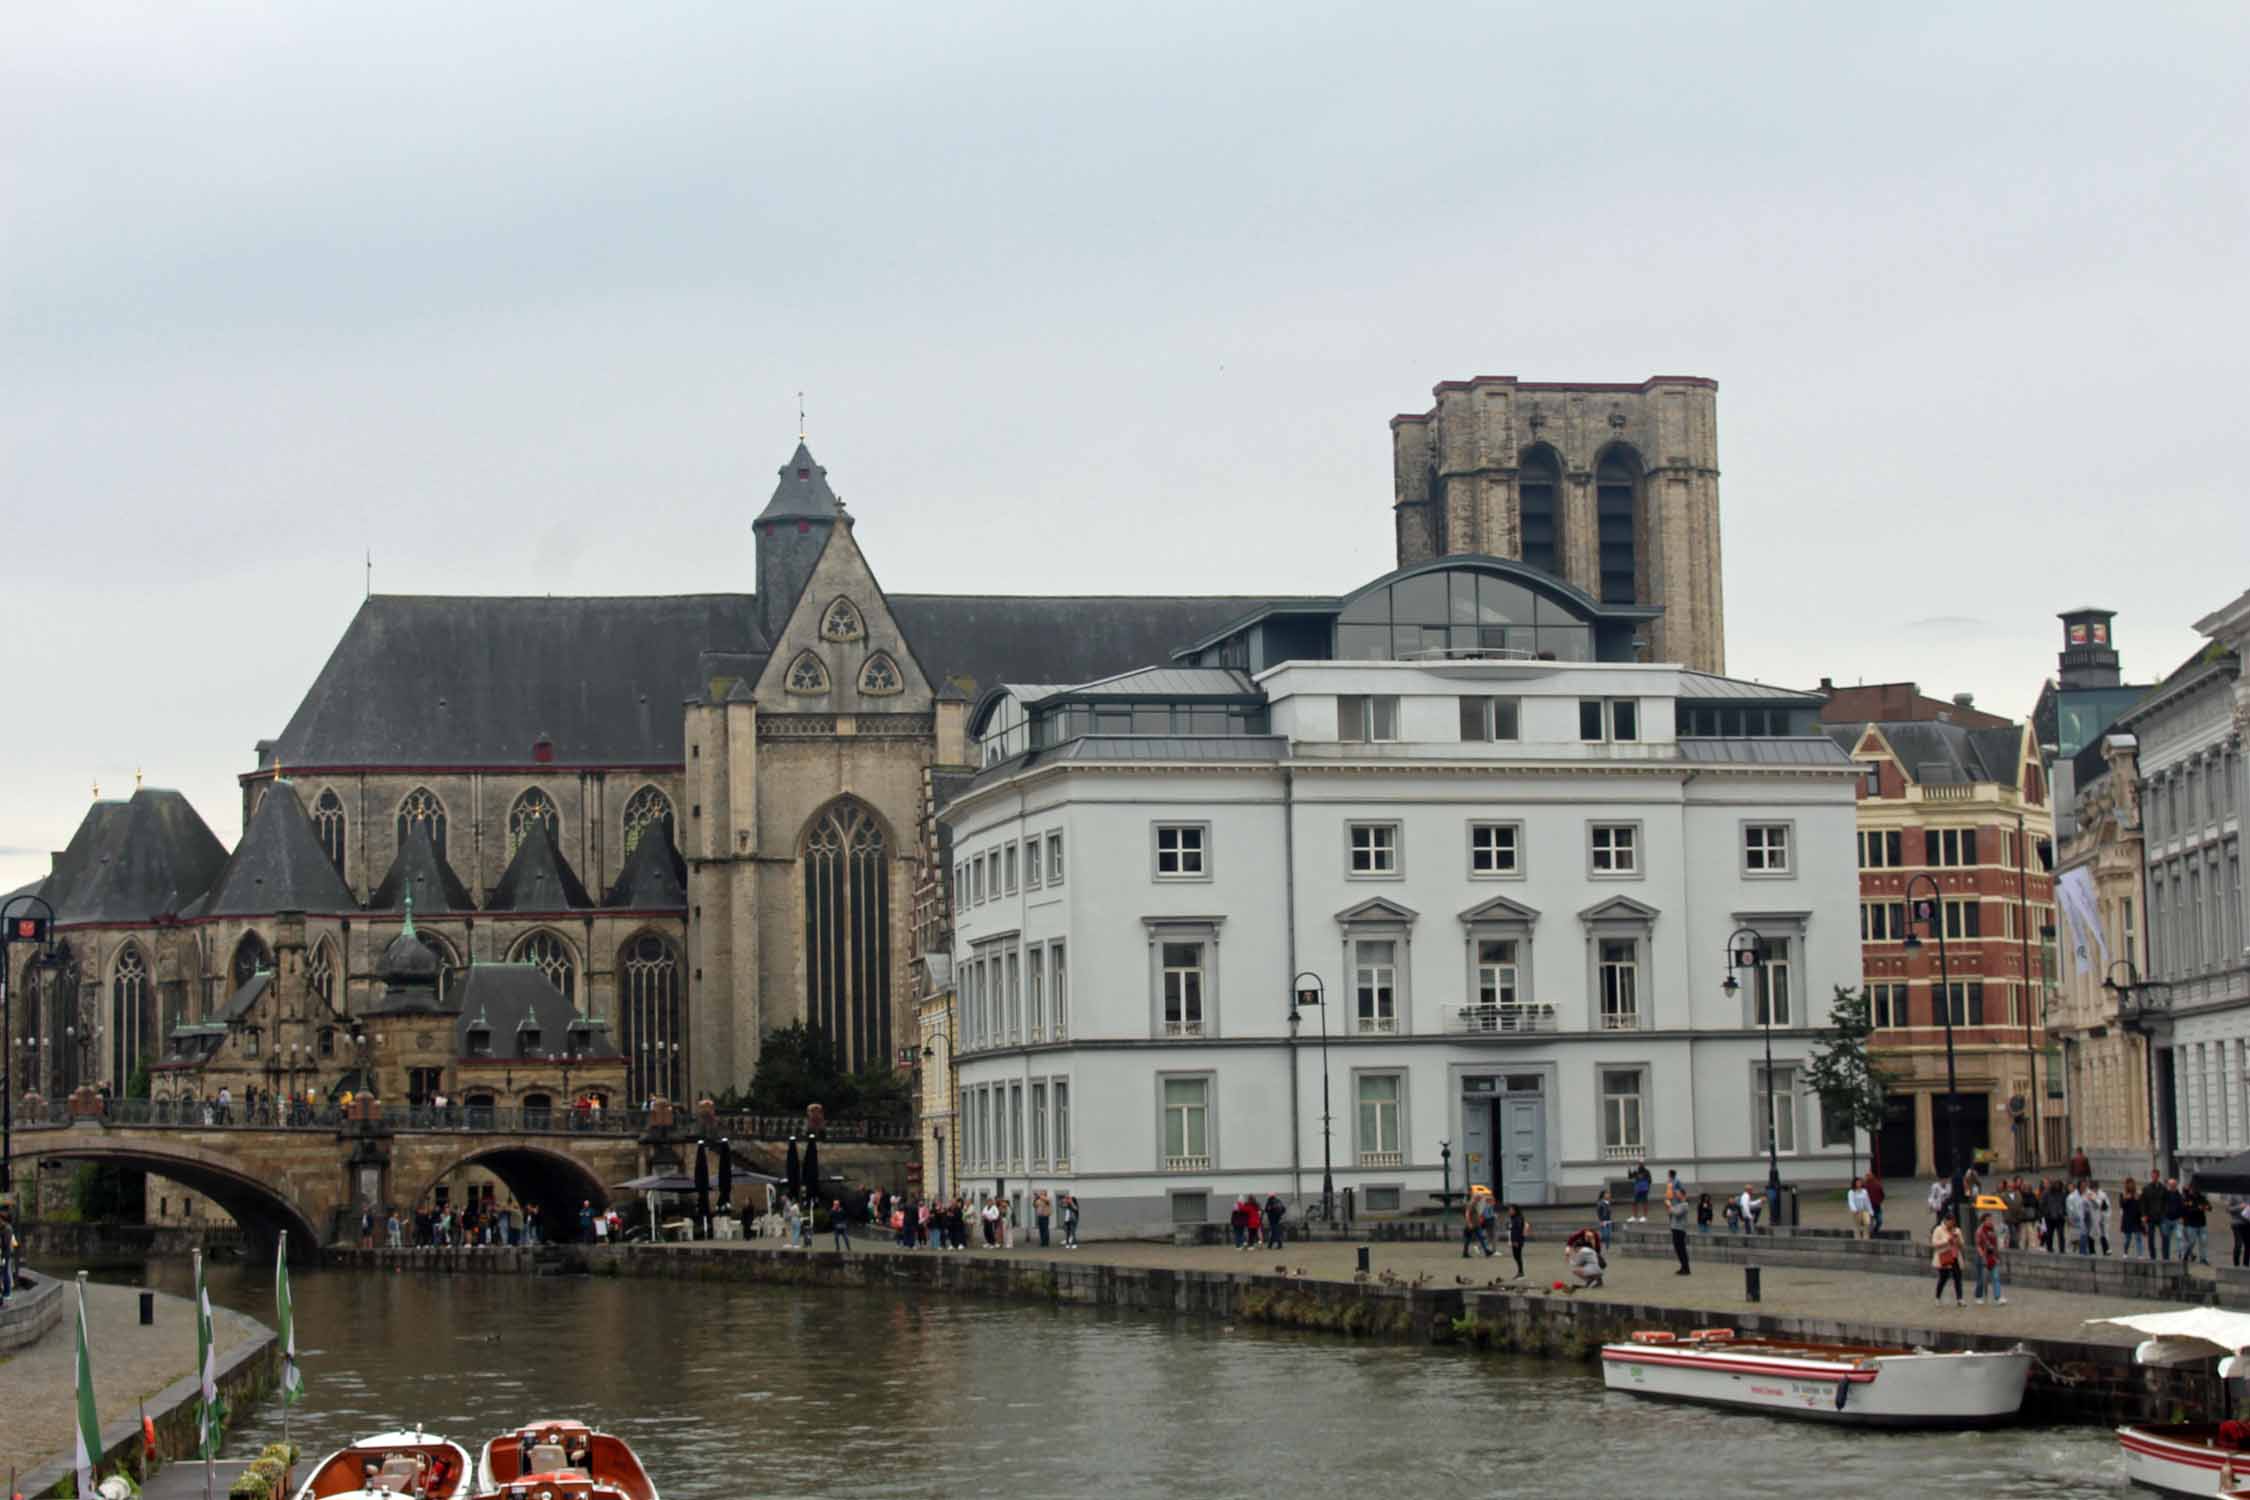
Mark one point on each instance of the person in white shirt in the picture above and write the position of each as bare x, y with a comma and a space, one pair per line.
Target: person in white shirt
1861, 1206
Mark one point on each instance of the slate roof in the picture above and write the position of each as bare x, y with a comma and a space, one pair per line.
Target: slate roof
654, 877
245, 998
803, 493
538, 878
279, 865
418, 868
977, 642
1943, 754
499, 997
146, 857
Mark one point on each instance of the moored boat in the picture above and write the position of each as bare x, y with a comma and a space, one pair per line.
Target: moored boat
1867, 1385
417, 1465
562, 1460
2188, 1458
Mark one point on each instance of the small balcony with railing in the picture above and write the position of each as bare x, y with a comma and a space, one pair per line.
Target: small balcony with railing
1382, 1158
1527, 1018
1377, 1025
1631, 1151
1187, 1163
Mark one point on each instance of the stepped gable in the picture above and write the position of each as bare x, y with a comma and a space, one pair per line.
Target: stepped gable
538, 878
654, 877
129, 861
419, 873
279, 865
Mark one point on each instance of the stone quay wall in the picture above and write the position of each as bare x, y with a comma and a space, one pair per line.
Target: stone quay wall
32, 1313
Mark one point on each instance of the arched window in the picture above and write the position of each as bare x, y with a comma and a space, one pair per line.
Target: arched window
250, 955
534, 806
880, 676
1539, 509
807, 675
848, 932
449, 961
132, 1017
842, 622
552, 955
421, 807
648, 994
643, 809
328, 821
320, 974
1617, 524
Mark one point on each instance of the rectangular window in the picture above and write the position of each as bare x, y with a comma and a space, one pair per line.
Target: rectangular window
961, 885
1183, 989
1964, 919
1378, 1120
1615, 848
1881, 850
1015, 1122
1765, 848
1882, 921
1494, 848
1773, 989
1062, 1125
1965, 999
1375, 983
1038, 1124
1054, 858
1590, 719
1496, 982
1374, 848
1621, 1114
1952, 847
1035, 985
1620, 984
992, 874
1009, 855
1187, 1125
976, 881
1624, 719
1363, 719
1870, 780
1180, 850
1031, 879
1776, 1111
1489, 719
1886, 1005
1015, 995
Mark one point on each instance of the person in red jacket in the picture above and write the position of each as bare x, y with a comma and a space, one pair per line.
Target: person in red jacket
1253, 1222
1988, 1259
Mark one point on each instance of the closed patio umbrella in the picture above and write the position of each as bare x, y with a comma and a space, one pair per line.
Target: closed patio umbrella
791, 1171
702, 1185
812, 1170
726, 1177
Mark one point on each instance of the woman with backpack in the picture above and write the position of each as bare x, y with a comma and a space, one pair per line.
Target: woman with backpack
1945, 1258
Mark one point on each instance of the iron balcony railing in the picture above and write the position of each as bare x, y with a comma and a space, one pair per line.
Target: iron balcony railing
1500, 1020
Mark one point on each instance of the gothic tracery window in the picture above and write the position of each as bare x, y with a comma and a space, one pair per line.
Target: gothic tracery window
421, 808
534, 806
1539, 517
842, 622
848, 932
320, 974
132, 1016
807, 675
328, 822
648, 983
550, 954
880, 675
250, 955
644, 809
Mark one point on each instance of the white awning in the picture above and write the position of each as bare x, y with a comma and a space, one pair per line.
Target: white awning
2191, 1333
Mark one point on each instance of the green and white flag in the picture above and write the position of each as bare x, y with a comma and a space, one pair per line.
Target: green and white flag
211, 1412
292, 1379
87, 1429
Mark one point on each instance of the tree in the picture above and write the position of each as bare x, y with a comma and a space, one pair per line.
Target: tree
798, 1066
1850, 1084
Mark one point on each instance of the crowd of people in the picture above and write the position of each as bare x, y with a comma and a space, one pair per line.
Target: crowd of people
2073, 1214
480, 1223
914, 1222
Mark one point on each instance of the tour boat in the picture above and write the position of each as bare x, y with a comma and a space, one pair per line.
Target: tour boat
2188, 1458
1862, 1384
561, 1460
420, 1465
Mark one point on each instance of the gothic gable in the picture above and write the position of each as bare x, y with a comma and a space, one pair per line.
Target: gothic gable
841, 650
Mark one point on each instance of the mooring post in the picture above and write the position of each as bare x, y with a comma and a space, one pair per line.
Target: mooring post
1750, 1284
1363, 1254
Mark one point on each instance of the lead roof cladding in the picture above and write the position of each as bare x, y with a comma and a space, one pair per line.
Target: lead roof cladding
654, 877
538, 878
418, 869
280, 865
430, 680
149, 856
499, 998
1944, 754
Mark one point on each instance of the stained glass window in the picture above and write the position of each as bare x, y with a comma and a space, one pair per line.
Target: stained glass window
880, 675
643, 809
842, 622
328, 820
534, 806
421, 807
807, 675
551, 955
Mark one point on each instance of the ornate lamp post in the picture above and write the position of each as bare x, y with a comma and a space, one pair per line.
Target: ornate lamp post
1746, 949
1932, 910
2143, 1013
1310, 991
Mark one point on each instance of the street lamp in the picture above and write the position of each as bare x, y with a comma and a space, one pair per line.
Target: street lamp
2141, 1014
1746, 949
937, 1130
1932, 911
1445, 1165
1316, 993
35, 930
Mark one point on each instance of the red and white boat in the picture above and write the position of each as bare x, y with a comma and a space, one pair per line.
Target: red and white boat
1867, 1385
560, 1460
2189, 1458
413, 1465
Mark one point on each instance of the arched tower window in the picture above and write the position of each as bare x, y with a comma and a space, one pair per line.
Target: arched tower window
421, 807
880, 676
320, 974
807, 675
328, 821
841, 622
1617, 525
250, 955
644, 809
551, 954
1438, 527
132, 1017
1539, 521
848, 932
533, 806
648, 992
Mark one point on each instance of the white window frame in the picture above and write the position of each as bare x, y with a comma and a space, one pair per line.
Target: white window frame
1622, 1117
1164, 932
1377, 981
1015, 1124
1054, 857
1769, 849
1061, 1092
1038, 1109
1513, 870
1623, 1010
1360, 718
1058, 987
1032, 878
1486, 709
1602, 841
1784, 1120
1384, 1149
1035, 988
1611, 709
1186, 1159
1008, 856
1014, 961
1180, 851
1183, 985
1384, 849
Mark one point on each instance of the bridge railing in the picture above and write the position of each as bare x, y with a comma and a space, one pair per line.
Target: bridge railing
208, 1114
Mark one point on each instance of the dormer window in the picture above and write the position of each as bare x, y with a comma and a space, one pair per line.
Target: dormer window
480, 1042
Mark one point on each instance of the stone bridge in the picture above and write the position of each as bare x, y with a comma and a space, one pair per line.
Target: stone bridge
310, 1179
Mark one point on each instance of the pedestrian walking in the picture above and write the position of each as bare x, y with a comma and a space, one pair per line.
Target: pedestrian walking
1472, 1225
1640, 1193
2238, 1220
1988, 1262
1676, 1209
1254, 1220
1042, 1210
1488, 1222
1940, 1200
1238, 1221
1862, 1211
1945, 1258
2194, 1227
1276, 1211
2097, 1203
2129, 1217
839, 1224
1703, 1214
1605, 1216
1875, 1199
1518, 1232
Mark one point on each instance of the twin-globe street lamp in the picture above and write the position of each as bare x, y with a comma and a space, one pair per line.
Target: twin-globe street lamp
1315, 993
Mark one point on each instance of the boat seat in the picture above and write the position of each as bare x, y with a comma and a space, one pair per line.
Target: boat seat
398, 1473
548, 1458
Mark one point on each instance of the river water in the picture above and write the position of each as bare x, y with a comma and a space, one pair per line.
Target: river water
730, 1392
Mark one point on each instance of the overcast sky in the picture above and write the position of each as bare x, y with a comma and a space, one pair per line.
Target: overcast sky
519, 297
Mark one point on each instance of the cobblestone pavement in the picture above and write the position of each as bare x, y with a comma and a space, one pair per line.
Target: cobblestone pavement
131, 1363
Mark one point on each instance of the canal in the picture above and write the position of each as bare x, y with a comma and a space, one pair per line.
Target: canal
734, 1391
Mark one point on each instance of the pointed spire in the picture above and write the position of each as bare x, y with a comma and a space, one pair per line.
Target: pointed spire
803, 493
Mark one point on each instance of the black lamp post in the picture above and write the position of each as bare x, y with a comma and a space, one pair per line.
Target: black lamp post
1315, 993
1932, 911
2142, 1014
1445, 1165
14, 928
1746, 949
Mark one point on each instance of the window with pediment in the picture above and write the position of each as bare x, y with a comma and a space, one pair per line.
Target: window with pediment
880, 675
807, 676
532, 808
643, 810
841, 622
420, 808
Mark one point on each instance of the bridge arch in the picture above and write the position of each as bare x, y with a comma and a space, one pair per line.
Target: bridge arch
262, 1210
555, 1180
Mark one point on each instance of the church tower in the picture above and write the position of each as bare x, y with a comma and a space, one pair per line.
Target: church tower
1611, 487
792, 532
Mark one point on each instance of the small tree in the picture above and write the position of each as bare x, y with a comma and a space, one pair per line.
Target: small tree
1846, 1078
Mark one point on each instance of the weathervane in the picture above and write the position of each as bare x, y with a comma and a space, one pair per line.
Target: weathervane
800, 416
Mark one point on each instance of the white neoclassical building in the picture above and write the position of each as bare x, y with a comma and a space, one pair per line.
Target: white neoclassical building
1506, 855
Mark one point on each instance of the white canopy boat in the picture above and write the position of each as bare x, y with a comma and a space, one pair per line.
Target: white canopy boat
413, 1465
1868, 1385
2189, 1458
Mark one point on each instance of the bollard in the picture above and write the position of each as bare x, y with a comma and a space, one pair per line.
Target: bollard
1363, 1253
148, 1309
1750, 1283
